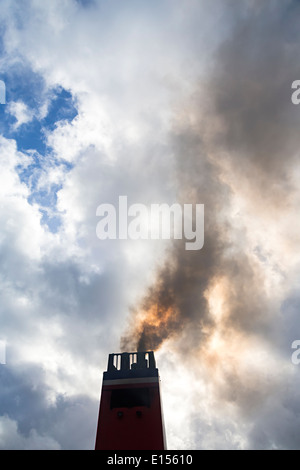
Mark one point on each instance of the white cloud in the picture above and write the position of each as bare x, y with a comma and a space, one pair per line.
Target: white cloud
21, 112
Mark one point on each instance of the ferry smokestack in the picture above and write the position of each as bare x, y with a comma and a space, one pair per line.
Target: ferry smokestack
130, 414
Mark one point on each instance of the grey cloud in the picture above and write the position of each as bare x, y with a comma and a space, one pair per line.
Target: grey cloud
251, 84
24, 400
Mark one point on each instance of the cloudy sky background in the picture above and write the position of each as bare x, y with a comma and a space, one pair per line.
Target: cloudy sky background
162, 101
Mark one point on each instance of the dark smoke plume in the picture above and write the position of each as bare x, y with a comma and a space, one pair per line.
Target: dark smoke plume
237, 137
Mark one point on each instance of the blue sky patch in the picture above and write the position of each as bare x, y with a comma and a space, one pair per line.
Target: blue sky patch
44, 109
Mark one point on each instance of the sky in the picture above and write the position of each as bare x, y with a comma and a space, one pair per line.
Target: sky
164, 102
